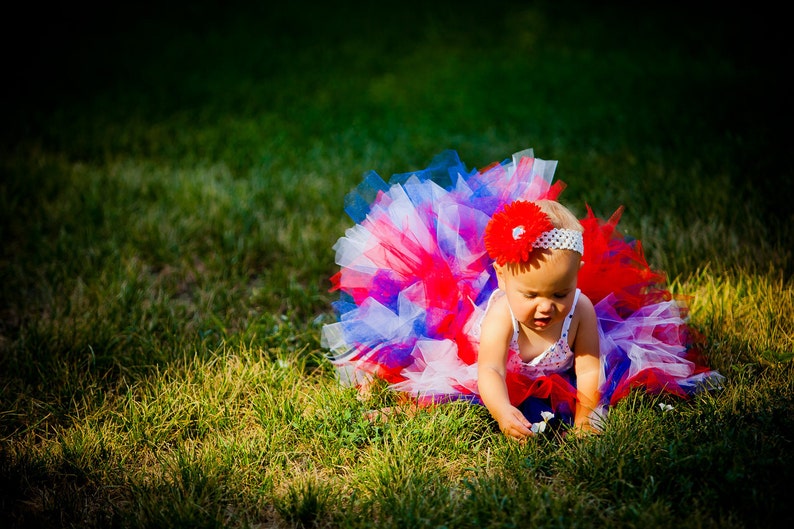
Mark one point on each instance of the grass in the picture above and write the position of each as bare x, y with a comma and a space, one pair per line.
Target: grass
172, 186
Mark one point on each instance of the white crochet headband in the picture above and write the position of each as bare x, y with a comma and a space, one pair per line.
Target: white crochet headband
560, 239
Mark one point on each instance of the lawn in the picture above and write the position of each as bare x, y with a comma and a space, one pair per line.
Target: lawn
172, 182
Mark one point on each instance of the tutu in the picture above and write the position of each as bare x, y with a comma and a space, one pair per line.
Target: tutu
415, 280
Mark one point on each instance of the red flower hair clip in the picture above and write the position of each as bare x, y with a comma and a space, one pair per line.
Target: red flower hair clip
512, 231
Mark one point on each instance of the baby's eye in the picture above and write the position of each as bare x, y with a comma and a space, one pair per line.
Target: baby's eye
530, 296
561, 296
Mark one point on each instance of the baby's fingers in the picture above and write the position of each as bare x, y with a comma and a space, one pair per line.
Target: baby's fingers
516, 430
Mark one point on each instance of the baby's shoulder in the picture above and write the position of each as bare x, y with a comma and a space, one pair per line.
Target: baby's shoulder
497, 317
584, 327
584, 307
583, 313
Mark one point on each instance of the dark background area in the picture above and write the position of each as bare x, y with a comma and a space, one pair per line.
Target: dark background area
64, 55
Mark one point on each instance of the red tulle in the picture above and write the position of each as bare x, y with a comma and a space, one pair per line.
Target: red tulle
614, 264
652, 380
554, 387
555, 190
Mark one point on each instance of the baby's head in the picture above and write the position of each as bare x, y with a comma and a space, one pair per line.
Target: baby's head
523, 233
561, 217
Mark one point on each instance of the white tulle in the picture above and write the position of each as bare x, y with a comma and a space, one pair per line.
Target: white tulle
437, 370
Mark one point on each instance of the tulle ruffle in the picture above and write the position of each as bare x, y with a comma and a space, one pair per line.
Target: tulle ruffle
415, 279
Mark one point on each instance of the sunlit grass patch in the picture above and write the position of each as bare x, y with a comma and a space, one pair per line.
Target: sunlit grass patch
746, 317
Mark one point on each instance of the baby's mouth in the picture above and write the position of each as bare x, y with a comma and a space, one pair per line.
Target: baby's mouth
542, 322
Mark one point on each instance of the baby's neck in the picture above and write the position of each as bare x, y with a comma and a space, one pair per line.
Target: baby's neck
532, 344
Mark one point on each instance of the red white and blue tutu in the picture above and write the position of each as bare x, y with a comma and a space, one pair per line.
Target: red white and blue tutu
415, 280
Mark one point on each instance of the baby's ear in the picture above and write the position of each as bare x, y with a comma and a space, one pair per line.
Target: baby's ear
500, 276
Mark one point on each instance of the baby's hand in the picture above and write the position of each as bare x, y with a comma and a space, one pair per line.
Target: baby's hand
514, 425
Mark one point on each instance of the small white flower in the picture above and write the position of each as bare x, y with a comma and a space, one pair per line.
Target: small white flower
282, 363
665, 407
540, 426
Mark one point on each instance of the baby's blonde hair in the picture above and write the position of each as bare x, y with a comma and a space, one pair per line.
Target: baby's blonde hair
560, 216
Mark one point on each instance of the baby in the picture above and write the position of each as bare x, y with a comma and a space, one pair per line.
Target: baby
537, 322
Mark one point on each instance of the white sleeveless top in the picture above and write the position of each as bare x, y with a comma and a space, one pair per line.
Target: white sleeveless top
556, 359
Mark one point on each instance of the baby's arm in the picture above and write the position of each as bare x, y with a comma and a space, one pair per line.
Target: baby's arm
587, 364
495, 334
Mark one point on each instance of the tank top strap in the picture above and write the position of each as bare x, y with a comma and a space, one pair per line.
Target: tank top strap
567, 323
515, 322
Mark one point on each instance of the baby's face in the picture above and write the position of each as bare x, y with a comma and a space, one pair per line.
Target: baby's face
541, 293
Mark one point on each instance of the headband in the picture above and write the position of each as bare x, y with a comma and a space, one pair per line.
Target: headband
520, 227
